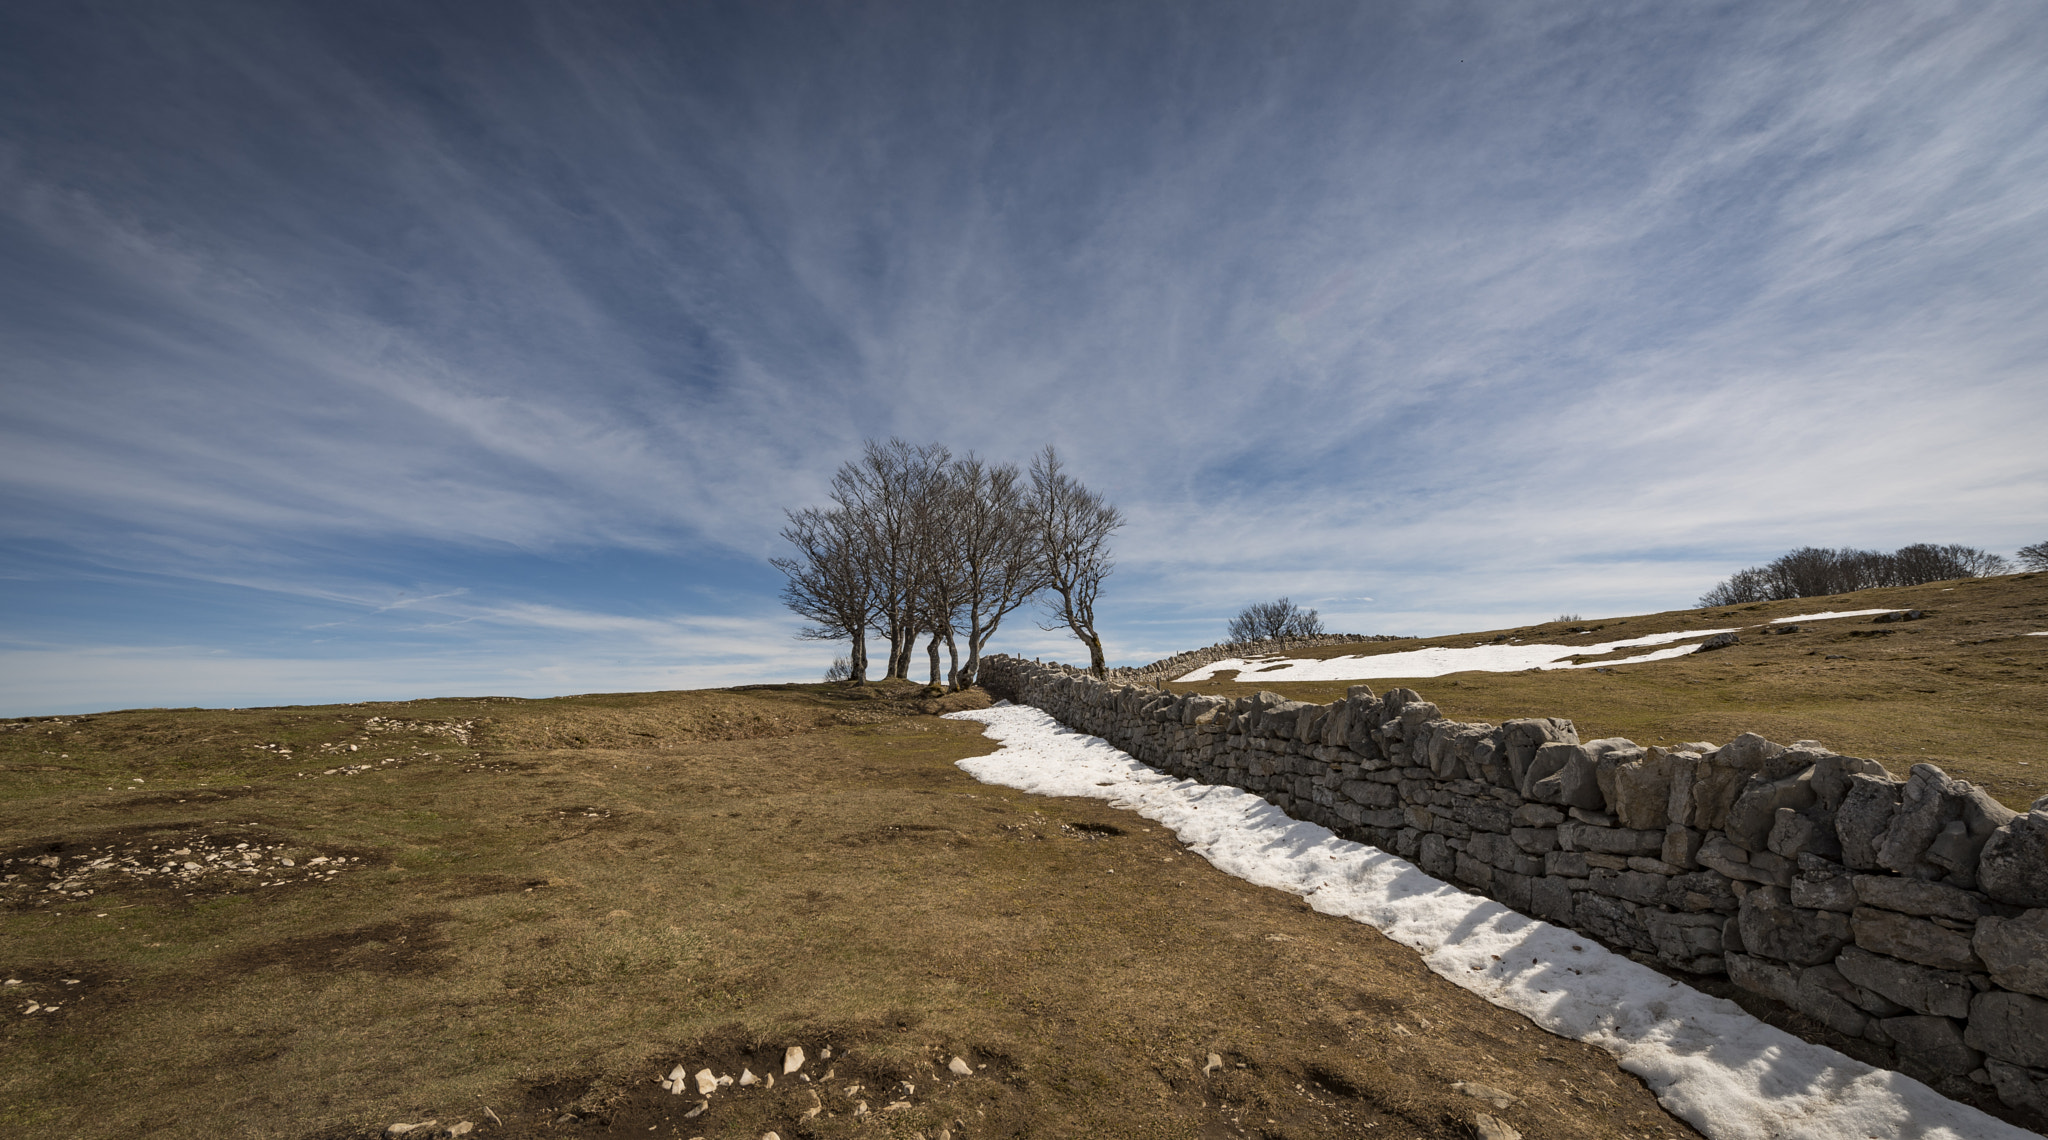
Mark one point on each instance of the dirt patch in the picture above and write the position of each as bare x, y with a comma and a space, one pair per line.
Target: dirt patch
196, 797
410, 945
183, 862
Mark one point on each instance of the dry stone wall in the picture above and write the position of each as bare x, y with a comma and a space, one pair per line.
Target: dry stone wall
1912, 914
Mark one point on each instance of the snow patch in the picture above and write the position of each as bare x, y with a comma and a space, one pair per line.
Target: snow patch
1436, 661
1722, 1071
1832, 614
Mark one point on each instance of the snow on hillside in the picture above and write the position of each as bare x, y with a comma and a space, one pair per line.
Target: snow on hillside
1439, 660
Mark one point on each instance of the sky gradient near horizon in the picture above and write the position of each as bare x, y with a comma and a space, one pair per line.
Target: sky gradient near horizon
387, 350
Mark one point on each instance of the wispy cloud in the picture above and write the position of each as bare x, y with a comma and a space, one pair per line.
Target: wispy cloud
1472, 311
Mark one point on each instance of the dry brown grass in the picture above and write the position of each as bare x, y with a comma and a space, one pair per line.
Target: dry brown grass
593, 890
1965, 688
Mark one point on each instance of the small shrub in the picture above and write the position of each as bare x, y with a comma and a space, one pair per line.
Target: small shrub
840, 669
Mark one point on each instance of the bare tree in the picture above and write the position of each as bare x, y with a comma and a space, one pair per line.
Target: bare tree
1072, 526
1262, 621
991, 543
1816, 571
882, 493
828, 582
2035, 557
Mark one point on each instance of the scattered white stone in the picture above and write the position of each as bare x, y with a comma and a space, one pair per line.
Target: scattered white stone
960, 1068
706, 1083
678, 1079
1215, 1063
462, 1129
1487, 1093
14, 981
792, 1059
1492, 1129
896, 1106
771, 1136
860, 1108
725, 1080
825, 1054
402, 1129
747, 1077
768, 1082
697, 1111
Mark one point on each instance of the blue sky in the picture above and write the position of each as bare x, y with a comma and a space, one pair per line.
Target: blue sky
356, 351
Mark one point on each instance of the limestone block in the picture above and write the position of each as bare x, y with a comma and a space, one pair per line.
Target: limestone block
2011, 1027
1763, 977
1638, 788
2019, 1087
1681, 846
1566, 864
1541, 781
1489, 762
1773, 867
1700, 891
1435, 858
1538, 815
1931, 1046
1960, 845
1534, 840
1612, 920
1752, 814
1927, 802
1485, 814
2015, 950
1683, 940
1942, 993
1574, 835
1913, 939
1720, 855
1823, 891
1367, 793
2013, 867
1822, 994
1474, 871
1551, 898
1807, 831
1831, 775
1521, 739
1866, 815
1773, 928
1917, 896
1513, 889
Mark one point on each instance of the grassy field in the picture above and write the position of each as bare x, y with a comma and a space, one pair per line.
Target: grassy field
315, 922
1965, 688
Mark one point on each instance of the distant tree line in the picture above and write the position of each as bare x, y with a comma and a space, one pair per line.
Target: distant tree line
1264, 621
1813, 571
918, 542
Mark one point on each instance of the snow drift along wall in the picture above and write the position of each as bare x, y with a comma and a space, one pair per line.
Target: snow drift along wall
1911, 914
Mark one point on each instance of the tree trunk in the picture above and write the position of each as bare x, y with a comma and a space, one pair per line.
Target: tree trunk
952, 663
933, 649
1097, 664
859, 659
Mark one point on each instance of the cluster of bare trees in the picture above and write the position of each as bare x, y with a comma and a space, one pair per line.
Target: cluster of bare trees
918, 543
1814, 571
1263, 621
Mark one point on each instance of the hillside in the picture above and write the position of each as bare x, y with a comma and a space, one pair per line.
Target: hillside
315, 922
1965, 687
